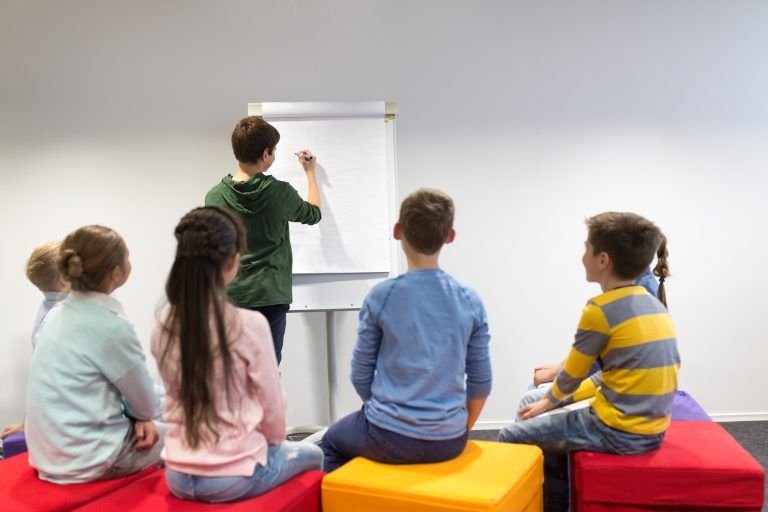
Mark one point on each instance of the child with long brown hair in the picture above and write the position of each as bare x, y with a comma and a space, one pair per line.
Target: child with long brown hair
90, 400
421, 362
224, 405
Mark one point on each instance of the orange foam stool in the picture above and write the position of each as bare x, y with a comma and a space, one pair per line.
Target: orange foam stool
487, 476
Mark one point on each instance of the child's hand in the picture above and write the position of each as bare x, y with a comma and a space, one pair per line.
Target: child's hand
146, 434
546, 373
308, 165
536, 408
12, 428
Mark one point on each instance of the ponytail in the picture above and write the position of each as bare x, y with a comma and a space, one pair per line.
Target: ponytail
207, 239
661, 270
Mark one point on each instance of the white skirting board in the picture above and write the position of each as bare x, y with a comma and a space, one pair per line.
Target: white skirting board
718, 417
725, 417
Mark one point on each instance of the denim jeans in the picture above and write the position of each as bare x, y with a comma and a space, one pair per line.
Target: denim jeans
577, 430
275, 315
558, 434
354, 436
284, 461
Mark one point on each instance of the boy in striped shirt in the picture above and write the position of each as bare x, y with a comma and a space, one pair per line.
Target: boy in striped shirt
630, 334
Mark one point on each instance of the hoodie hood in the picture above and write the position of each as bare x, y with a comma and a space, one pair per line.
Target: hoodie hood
244, 196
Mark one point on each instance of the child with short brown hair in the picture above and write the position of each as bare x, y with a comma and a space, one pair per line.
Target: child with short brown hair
421, 362
266, 205
632, 335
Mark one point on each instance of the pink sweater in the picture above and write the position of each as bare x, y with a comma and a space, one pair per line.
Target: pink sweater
257, 415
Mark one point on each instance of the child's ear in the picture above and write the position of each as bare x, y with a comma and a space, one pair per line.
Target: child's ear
397, 232
117, 274
604, 260
451, 236
267, 152
112, 280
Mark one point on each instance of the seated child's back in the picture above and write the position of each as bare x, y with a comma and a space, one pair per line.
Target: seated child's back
420, 335
434, 330
225, 407
90, 399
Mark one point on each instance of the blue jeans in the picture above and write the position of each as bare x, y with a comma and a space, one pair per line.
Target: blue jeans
577, 430
284, 461
558, 434
354, 436
275, 315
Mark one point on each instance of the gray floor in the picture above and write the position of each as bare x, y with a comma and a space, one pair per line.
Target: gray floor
752, 435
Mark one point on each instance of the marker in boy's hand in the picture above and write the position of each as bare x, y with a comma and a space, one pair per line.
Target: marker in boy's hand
307, 161
306, 154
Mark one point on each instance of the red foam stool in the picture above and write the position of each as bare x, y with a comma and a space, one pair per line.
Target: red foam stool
698, 466
22, 491
151, 494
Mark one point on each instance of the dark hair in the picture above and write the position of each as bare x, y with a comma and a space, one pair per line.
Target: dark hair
207, 238
661, 270
629, 239
251, 137
426, 218
88, 254
43, 266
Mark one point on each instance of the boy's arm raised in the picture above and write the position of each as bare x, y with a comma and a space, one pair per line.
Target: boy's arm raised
313, 193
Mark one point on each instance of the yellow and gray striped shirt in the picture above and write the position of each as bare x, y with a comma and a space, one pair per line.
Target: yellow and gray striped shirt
633, 336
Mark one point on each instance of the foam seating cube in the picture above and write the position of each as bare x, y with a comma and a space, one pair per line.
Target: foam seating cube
487, 476
698, 466
151, 494
14, 444
22, 491
685, 408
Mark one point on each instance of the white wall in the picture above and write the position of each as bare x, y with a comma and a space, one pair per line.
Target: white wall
532, 115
